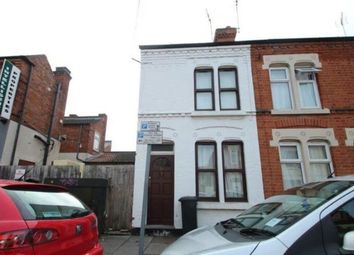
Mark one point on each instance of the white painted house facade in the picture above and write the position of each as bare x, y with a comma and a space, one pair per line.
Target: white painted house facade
202, 95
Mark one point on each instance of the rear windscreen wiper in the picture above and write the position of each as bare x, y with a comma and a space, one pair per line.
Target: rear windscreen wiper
77, 213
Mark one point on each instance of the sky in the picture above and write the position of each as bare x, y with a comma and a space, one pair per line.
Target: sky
98, 40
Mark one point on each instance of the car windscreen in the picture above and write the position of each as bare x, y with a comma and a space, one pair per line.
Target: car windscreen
44, 205
277, 213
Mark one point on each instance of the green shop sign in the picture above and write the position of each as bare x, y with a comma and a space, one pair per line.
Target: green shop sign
9, 78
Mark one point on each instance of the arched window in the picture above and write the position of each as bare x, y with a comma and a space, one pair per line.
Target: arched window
303, 162
229, 89
206, 170
203, 89
234, 171
281, 87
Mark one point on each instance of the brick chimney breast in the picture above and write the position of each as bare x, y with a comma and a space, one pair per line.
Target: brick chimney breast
226, 34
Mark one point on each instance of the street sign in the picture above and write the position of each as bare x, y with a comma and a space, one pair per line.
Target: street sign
149, 137
149, 133
149, 126
9, 78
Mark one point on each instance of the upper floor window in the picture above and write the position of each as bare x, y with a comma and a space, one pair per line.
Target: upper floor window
306, 79
204, 89
228, 89
96, 141
293, 83
280, 85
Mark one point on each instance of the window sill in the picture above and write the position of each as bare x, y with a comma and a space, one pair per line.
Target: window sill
202, 205
301, 111
219, 113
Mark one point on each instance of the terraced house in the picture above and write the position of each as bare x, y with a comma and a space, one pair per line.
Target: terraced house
242, 121
202, 95
304, 93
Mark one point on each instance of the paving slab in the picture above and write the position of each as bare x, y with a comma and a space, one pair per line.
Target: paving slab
129, 244
111, 243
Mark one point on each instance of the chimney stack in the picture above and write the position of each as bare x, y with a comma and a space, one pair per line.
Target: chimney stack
226, 34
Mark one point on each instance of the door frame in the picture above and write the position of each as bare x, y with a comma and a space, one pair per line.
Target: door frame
163, 153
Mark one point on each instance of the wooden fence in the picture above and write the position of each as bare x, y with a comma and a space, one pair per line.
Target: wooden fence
119, 196
119, 201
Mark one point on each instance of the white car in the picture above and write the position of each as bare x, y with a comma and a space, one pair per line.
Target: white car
315, 219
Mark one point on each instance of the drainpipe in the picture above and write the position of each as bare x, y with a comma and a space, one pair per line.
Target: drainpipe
78, 147
22, 110
49, 135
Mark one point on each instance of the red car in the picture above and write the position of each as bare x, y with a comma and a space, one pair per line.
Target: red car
39, 219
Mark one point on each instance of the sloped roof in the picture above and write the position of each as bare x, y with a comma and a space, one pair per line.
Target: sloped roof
113, 157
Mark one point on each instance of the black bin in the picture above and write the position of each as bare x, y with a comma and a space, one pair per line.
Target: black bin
189, 213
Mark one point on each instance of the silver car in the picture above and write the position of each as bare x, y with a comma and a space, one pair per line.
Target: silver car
316, 218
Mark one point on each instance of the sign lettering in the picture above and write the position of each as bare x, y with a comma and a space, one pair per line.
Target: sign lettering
9, 78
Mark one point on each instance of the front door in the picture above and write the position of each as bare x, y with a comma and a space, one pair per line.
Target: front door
161, 190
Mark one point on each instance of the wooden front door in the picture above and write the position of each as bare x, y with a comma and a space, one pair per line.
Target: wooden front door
161, 190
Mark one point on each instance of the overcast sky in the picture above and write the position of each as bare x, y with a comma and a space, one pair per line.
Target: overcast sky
97, 39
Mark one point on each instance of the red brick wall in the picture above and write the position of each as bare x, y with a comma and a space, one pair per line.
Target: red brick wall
40, 95
72, 133
336, 89
63, 78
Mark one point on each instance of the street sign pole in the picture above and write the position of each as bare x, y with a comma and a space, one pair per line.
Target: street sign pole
145, 198
148, 133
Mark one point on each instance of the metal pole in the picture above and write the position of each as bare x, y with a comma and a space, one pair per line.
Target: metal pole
145, 198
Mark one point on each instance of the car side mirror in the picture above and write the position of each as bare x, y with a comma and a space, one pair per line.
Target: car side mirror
348, 241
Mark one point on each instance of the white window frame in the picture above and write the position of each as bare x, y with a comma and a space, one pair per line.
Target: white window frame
300, 62
96, 141
300, 160
314, 84
328, 160
304, 159
288, 81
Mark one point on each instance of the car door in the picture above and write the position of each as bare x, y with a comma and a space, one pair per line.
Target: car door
336, 221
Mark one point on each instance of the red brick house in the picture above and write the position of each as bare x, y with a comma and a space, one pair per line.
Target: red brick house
31, 134
84, 136
304, 93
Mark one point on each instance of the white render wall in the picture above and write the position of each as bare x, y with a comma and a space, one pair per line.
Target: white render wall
167, 96
28, 148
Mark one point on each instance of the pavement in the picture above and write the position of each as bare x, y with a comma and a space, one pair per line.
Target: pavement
129, 244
